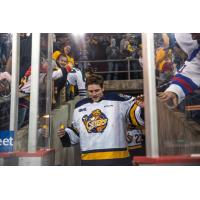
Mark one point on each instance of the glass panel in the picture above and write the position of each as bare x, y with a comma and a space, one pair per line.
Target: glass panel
6, 137
24, 81
44, 116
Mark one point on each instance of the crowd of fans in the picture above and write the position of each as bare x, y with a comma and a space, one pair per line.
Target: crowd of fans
169, 57
100, 46
105, 52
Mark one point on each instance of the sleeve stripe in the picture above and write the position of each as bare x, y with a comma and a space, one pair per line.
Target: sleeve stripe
74, 130
74, 138
186, 84
138, 116
188, 80
132, 115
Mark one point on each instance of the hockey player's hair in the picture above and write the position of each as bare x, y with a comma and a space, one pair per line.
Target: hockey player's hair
94, 79
90, 70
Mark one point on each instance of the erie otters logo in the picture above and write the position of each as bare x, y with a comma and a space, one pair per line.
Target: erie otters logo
96, 122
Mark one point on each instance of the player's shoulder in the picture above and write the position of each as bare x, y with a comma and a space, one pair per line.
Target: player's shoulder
82, 102
113, 96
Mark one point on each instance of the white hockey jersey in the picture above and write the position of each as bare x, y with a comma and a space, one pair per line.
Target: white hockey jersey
134, 138
187, 79
101, 128
75, 77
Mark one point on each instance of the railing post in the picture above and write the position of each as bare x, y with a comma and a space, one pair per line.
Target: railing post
49, 87
129, 74
151, 129
85, 65
33, 113
14, 83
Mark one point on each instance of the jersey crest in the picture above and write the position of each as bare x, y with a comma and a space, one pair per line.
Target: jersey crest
96, 122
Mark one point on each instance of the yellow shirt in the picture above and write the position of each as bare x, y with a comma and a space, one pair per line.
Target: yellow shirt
70, 60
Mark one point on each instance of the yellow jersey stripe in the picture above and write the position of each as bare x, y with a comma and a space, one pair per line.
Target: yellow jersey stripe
135, 147
105, 155
132, 115
72, 89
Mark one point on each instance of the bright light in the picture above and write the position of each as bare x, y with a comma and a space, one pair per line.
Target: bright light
78, 34
46, 116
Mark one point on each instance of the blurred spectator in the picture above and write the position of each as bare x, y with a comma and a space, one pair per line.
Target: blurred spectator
93, 48
25, 56
82, 55
61, 40
25, 53
118, 37
122, 44
75, 79
164, 63
83, 52
132, 47
112, 53
164, 56
67, 52
102, 45
5, 49
126, 51
25, 86
59, 75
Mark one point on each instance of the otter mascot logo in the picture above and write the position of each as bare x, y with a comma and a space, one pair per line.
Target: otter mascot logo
96, 122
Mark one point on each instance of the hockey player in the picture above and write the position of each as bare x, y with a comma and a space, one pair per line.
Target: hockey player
187, 79
135, 137
136, 144
99, 124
